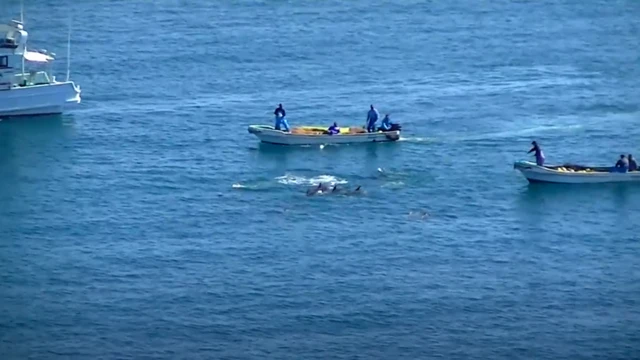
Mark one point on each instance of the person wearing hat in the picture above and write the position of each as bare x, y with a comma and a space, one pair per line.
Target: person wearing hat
538, 152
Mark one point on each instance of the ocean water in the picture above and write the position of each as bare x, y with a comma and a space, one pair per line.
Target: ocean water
148, 224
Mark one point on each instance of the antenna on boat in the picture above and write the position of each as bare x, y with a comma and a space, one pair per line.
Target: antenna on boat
69, 49
24, 51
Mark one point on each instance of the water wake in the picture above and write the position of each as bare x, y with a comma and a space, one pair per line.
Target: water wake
289, 179
416, 139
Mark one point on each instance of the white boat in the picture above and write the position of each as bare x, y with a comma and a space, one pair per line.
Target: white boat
573, 174
314, 135
24, 89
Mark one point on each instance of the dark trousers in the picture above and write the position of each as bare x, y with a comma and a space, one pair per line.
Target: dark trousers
371, 126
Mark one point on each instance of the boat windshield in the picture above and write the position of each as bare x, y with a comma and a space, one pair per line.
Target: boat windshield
10, 40
32, 78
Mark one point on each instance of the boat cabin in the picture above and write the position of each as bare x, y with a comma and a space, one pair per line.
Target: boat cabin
18, 66
13, 38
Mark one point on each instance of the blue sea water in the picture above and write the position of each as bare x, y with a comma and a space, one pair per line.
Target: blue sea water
149, 224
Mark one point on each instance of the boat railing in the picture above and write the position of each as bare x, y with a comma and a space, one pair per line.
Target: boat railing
32, 78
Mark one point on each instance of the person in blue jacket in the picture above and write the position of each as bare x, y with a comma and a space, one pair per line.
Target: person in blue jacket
386, 123
334, 129
372, 117
281, 120
538, 152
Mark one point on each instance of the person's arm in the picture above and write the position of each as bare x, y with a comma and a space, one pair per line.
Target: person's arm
532, 150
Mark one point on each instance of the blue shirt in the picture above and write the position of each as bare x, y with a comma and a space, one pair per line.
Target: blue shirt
333, 130
373, 115
386, 123
623, 164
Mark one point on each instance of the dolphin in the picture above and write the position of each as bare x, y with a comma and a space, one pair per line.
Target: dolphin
357, 191
315, 190
321, 188
422, 214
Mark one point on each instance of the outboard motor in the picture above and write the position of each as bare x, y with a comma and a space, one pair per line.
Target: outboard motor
396, 127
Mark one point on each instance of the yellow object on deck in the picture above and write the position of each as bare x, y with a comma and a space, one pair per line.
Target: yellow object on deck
317, 130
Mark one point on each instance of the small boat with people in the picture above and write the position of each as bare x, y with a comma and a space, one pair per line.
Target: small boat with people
573, 174
625, 170
282, 134
315, 135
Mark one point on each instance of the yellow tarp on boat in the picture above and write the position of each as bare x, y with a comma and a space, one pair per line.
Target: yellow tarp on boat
318, 130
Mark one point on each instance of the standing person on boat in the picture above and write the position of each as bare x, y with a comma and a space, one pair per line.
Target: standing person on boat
372, 117
281, 120
622, 165
633, 165
334, 129
386, 123
538, 152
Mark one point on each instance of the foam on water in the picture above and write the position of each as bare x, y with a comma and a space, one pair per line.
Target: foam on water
289, 179
416, 139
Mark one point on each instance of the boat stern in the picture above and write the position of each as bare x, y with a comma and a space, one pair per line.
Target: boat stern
75, 99
393, 135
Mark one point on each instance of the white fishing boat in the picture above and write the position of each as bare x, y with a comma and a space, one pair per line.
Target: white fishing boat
573, 174
314, 135
25, 89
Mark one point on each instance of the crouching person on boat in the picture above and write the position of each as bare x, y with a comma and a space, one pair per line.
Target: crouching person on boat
386, 123
333, 129
622, 165
538, 152
281, 120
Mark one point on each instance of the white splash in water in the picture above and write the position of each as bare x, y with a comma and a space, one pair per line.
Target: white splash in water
302, 180
415, 139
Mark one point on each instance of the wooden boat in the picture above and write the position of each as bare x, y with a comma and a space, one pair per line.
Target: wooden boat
573, 174
314, 135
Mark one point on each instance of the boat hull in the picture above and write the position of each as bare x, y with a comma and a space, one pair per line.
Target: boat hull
44, 99
543, 174
268, 134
